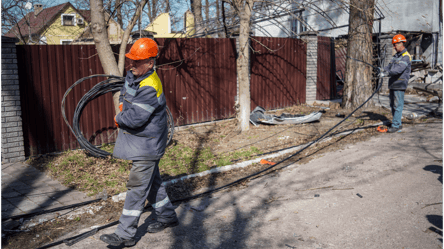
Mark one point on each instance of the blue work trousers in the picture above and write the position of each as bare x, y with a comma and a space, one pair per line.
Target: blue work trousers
144, 183
396, 104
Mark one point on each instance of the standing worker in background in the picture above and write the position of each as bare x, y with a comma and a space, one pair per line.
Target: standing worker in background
398, 70
142, 138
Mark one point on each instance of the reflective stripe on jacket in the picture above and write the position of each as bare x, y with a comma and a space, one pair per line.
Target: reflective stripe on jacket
399, 70
143, 121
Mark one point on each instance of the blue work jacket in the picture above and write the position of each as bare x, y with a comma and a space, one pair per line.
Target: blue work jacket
143, 119
399, 70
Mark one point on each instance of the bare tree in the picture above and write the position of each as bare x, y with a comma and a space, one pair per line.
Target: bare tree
196, 9
100, 34
358, 77
244, 8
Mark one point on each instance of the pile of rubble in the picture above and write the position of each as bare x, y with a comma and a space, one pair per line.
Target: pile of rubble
423, 74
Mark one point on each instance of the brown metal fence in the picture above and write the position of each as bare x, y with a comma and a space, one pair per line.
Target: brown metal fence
199, 78
278, 72
326, 83
198, 75
45, 72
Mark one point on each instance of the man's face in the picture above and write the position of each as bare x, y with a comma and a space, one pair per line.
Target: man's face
398, 47
141, 67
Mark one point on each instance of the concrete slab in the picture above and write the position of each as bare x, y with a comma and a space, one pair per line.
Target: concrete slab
8, 207
6, 165
25, 205
29, 190
10, 193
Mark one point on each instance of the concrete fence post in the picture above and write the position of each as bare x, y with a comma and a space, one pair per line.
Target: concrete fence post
13, 149
311, 38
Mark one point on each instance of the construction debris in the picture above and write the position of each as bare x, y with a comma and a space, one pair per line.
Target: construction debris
258, 116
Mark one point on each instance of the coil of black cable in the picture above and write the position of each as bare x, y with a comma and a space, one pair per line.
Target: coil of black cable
112, 84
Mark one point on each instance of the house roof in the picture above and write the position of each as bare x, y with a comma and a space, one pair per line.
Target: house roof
86, 14
43, 19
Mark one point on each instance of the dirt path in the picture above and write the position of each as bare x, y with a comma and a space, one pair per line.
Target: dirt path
316, 205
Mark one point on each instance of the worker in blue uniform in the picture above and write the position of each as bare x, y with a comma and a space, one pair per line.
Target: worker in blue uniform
142, 138
398, 70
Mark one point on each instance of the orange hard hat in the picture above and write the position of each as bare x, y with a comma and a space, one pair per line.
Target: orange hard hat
142, 49
398, 38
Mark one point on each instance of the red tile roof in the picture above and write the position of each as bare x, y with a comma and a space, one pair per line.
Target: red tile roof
42, 20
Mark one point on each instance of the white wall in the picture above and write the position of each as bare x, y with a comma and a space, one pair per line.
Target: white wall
405, 15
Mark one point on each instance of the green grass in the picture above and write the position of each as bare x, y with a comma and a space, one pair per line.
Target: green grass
92, 175
181, 159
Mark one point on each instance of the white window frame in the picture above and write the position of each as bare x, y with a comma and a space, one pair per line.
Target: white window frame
74, 19
61, 41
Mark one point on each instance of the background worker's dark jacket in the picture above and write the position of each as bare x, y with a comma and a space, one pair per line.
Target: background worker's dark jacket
399, 70
143, 121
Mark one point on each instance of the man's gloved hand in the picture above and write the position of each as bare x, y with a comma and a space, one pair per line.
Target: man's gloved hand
382, 72
116, 122
121, 106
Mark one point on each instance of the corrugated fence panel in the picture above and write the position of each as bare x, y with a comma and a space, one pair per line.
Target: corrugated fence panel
45, 73
199, 78
326, 84
278, 72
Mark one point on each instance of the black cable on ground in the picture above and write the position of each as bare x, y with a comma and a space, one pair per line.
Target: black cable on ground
51, 210
229, 184
112, 84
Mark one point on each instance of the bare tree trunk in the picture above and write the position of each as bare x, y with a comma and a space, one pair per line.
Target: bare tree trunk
358, 76
196, 8
100, 33
103, 47
243, 64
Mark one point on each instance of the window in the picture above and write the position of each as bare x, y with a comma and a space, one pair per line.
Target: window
297, 22
68, 19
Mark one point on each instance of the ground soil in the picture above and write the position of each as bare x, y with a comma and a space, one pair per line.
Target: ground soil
222, 137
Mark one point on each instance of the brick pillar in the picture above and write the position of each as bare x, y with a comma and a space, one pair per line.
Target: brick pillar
311, 38
12, 133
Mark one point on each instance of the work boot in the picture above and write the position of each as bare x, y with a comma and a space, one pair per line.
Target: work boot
390, 125
393, 129
160, 226
115, 240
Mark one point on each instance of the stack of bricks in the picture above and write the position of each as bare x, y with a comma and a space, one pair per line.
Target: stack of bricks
311, 39
12, 132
